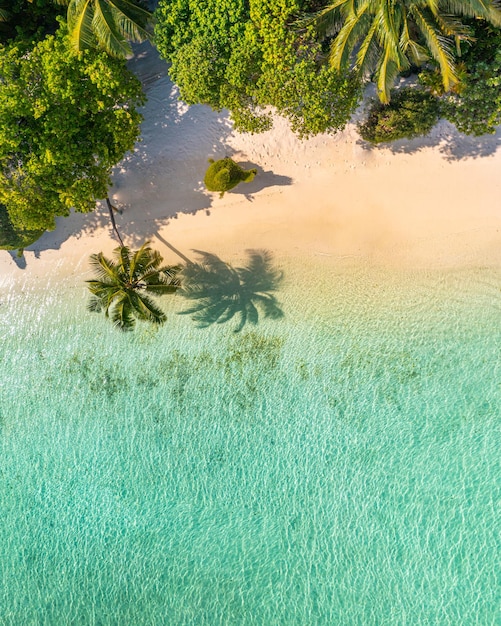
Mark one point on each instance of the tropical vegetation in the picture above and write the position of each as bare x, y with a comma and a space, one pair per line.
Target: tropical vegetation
28, 21
109, 25
411, 112
12, 238
123, 286
246, 57
65, 120
475, 108
225, 174
387, 37
68, 104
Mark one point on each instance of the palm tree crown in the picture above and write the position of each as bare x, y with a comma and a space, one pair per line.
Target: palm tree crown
387, 36
107, 24
121, 285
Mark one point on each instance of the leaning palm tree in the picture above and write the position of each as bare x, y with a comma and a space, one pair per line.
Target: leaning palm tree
388, 36
221, 291
107, 24
121, 286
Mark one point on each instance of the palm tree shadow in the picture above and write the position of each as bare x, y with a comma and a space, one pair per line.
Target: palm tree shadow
220, 292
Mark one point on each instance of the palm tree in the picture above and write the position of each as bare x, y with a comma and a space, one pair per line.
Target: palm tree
121, 285
222, 291
388, 36
107, 24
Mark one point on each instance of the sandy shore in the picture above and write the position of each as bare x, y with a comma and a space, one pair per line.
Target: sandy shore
429, 202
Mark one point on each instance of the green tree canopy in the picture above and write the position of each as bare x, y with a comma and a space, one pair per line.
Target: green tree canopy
244, 56
28, 20
65, 120
475, 109
12, 239
387, 36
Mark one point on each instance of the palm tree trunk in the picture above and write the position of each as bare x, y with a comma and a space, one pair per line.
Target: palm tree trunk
113, 223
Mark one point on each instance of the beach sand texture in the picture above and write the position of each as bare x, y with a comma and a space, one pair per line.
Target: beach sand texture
429, 202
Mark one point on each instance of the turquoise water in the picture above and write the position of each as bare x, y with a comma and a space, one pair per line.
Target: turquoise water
339, 466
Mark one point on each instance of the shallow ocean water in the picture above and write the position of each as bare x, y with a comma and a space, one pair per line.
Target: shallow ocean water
338, 466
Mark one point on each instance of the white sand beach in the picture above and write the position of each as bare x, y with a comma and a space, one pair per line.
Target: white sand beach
429, 202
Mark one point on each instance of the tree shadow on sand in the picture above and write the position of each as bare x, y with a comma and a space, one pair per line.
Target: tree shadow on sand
154, 179
262, 180
447, 139
221, 292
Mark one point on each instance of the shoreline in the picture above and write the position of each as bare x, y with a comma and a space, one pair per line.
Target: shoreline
430, 202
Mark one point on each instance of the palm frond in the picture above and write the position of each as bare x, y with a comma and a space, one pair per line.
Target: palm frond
326, 22
106, 269
452, 26
386, 73
95, 305
146, 309
160, 289
122, 314
348, 36
440, 47
391, 22
122, 254
80, 17
132, 20
413, 50
364, 57
142, 260
433, 6
107, 31
489, 10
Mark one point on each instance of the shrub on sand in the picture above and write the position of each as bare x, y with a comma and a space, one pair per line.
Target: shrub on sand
225, 174
412, 112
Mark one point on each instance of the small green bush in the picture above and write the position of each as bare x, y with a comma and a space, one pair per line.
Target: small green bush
225, 174
412, 112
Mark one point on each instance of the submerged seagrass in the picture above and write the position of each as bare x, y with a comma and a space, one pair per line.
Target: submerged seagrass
338, 467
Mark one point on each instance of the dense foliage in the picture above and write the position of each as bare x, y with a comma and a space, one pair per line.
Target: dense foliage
225, 174
245, 56
123, 285
65, 120
28, 20
386, 37
474, 105
12, 238
411, 112
475, 108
